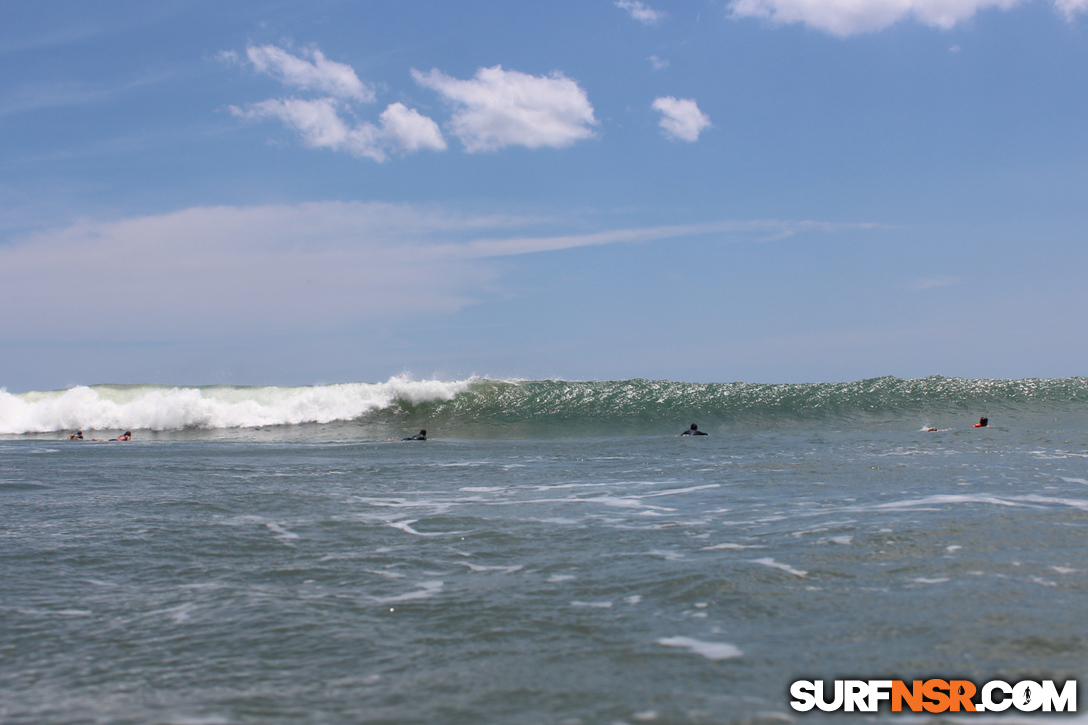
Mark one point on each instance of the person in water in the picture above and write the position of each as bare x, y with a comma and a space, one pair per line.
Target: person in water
126, 436
693, 431
77, 436
421, 437
982, 422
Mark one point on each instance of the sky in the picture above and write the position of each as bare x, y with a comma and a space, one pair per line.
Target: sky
281, 193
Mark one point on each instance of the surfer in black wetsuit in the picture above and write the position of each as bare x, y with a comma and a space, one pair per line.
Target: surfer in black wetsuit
421, 437
693, 431
982, 422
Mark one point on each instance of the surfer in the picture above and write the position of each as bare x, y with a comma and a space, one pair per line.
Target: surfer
126, 436
693, 431
422, 436
982, 422
77, 436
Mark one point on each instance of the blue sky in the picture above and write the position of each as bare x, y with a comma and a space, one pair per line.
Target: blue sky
757, 190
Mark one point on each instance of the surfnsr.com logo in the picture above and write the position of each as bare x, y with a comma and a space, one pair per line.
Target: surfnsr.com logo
934, 696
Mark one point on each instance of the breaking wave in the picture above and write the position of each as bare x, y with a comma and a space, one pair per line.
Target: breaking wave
482, 406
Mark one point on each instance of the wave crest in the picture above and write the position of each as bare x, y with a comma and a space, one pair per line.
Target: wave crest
160, 408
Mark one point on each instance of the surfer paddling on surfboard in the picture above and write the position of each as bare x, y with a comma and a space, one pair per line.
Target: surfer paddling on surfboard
982, 422
693, 431
421, 436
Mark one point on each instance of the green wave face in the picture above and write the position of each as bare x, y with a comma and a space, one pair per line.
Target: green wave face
552, 407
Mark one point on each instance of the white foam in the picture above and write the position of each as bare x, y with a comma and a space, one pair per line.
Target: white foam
477, 568
768, 561
405, 525
179, 614
938, 580
279, 531
710, 650
1075, 480
732, 547
106, 407
1028, 501
594, 605
426, 591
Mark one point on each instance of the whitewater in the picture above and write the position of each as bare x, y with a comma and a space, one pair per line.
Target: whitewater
555, 552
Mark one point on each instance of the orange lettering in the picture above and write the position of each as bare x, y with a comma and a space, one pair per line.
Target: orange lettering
932, 690
961, 692
913, 697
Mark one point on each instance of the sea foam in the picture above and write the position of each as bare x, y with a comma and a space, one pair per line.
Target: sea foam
153, 407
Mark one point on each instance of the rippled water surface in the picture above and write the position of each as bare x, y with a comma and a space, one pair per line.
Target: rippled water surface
592, 580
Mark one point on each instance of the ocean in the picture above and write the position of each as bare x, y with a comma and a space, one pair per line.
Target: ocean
554, 552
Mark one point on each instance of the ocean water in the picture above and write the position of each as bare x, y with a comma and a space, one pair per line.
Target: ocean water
555, 553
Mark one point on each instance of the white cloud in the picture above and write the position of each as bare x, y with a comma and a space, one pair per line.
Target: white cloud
640, 12
408, 130
1069, 8
321, 126
318, 121
658, 63
320, 74
321, 122
208, 272
849, 17
681, 118
500, 108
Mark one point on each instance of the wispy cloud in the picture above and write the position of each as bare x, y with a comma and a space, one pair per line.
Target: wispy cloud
640, 11
864, 16
658, 63
928, 283
681, 119
317, 74
53, 94
321, 121
498, 108
1070, 8
51, 38
212, 271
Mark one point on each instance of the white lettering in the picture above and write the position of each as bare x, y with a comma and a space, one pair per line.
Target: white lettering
879, 690
857, 695
834, 704
804, 694
987, 698
1066, 701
